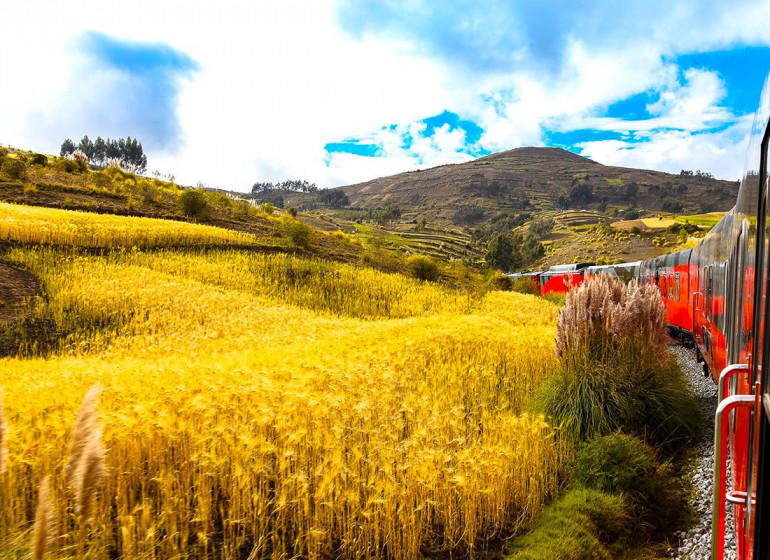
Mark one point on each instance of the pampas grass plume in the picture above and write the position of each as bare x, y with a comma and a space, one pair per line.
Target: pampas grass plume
89, 474
82, 435
43, 521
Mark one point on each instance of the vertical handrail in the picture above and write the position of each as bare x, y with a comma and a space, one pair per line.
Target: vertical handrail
720, 470
725, 376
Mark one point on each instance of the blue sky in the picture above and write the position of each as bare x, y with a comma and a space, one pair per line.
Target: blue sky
339, 91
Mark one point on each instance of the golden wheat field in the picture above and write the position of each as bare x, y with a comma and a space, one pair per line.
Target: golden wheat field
260, 406
28, 224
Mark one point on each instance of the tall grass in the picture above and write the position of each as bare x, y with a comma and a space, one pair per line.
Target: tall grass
615, 372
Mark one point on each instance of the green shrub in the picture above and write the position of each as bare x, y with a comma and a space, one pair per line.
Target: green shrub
525, 285
301, 235
193, 204
649, 398
39, 159
14, 169
617, 463
615, 373
583, 524
70, 165
557, 299
623, 464
422, 268
499, 281
292, 212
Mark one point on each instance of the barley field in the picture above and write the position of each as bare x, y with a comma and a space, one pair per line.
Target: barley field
254, 406
50, 226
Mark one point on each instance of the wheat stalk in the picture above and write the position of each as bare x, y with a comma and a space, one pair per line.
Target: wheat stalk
43, 521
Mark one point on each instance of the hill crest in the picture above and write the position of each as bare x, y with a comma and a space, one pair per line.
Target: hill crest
538, 178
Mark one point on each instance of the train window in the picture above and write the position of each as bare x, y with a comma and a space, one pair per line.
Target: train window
710, 288
677, 286
707, 290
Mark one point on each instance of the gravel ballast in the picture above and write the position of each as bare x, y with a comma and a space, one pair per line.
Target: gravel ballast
695, 544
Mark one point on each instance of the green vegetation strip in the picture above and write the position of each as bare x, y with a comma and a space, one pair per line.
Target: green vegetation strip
582, 524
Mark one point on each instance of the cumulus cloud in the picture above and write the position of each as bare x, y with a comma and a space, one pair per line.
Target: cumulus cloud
120, 88
721, 153
510, 35
273, 84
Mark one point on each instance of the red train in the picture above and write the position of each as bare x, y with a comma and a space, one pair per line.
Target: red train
716, 295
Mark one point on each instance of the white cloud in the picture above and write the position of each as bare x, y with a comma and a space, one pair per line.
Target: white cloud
280, 80
720, 153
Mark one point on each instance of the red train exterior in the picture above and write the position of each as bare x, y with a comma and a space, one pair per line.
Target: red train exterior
671, 273
717, 294
562, 278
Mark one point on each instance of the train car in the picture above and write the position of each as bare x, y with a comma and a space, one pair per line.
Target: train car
729, 316
560, 279
671, 273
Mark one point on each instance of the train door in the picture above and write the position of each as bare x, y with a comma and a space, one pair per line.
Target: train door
708, 307
756, 535
736, 288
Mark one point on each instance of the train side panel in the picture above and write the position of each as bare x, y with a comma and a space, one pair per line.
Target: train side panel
560, 282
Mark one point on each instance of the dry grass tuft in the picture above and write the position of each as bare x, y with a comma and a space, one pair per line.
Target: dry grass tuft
80, 157
605, 310
43, 521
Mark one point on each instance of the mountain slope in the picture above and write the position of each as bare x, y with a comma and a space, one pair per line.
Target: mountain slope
539, 179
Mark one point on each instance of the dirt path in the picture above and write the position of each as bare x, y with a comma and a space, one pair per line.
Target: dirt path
16, 286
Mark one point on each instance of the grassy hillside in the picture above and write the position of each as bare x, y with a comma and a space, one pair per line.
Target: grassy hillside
600, 213
426, 223
35, 180
538, 179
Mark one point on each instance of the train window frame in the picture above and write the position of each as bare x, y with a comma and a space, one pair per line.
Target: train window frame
677, 286
705, 291
670, 282
710, 292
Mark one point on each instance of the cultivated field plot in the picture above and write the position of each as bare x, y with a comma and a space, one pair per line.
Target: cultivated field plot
268, 407
28, 224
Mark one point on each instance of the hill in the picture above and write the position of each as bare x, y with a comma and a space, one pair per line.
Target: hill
538, 179
30, 179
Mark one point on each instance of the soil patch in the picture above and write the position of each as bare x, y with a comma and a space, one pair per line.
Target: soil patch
16, 288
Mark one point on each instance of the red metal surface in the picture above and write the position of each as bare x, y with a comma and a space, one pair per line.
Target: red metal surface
561, 283
676, 296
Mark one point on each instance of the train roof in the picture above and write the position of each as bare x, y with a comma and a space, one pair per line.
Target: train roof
524, 273
669, 261
569, 267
